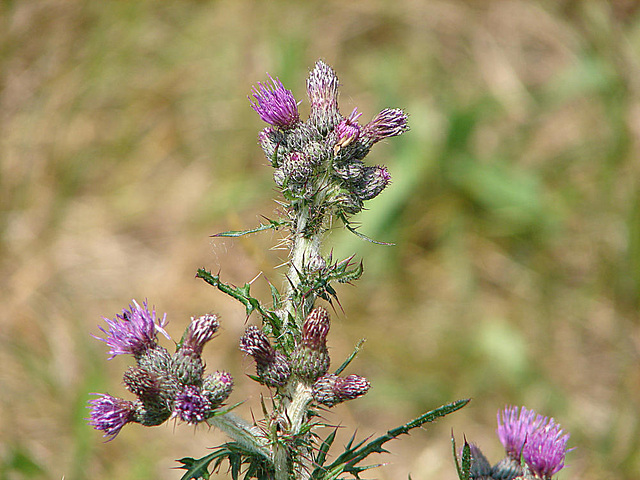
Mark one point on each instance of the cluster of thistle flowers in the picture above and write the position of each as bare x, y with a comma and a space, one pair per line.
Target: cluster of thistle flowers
535, 446
310, 362
166, 385
324, 153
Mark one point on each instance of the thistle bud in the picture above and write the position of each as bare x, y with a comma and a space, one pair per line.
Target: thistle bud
297, 167
142, 383
322, 89
191, 405
480, 466
217, 387
351, 171
330, 389
311, 360
151, 413
373, 181
200, 331
272, 367
390, 122
187, 366
506, 469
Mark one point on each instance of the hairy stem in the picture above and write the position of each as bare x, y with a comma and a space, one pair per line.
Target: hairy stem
243, 433
295, 408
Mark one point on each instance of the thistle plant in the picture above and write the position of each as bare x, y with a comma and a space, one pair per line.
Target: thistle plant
319, 169
535, 448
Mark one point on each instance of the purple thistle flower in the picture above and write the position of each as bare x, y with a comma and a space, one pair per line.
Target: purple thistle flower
200, 331
514, 428
390, 122
191, 405
275, 104
109, 414
134, 331
545, 449
347, 131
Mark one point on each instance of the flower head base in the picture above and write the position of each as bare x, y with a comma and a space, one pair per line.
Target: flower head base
311, 360
545, 449
134, 331
109, 414
275, 104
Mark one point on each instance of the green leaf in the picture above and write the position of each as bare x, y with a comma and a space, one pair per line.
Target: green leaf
361, 235
324, 448
197, 469
466, 461
272, 225
350, 358
348, 460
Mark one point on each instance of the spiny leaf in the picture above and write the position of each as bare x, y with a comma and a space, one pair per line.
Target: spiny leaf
466, 461
353, 455
350, 358
324, 448
361, 235
272, 225
239, 293
197, 469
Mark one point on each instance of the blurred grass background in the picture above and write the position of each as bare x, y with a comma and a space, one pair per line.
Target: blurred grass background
126, 139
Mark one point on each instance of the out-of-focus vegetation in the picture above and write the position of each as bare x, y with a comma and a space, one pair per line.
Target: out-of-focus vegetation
126, 139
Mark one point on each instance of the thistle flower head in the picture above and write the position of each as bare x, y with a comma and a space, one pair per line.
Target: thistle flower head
275, 104
217, 387
272, 367
192, 405
134, 331
109, 414
200, 331
322, 89
329, 390
315, 329
545, 449
514, 427
347, 131
255, 343
373, 181
142, 383
390, 122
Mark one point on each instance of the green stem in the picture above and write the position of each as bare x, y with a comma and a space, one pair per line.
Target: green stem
295, 407
248, 436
